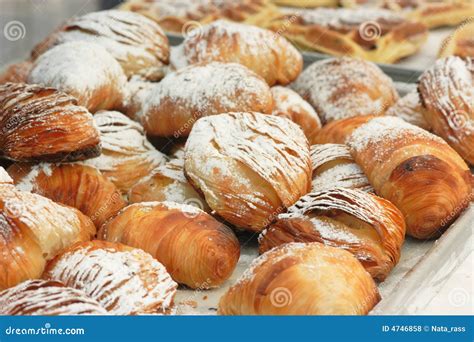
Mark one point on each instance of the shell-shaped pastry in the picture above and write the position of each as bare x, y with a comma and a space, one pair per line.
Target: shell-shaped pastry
127, 156
136, 42
302, 279
344, 87
249, 166
196, 249
410, 109
447, 93
124, 280
267, 54
83, 70
136, 92
47, 298
369, 227
43, 124
290, 105
174, 104
461, 42
80, 186
16, 73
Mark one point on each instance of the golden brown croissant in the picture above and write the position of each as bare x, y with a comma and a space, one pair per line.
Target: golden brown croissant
124, 280
447, 93
172, 107
136, 42
34, 230
460, 42
410, 109
41, 123
344, 87
302, 279
127, 156
47, 298
267, 54
336, 132
369, 227
249, 166
195, 248
16, 73
80, 186
83, 70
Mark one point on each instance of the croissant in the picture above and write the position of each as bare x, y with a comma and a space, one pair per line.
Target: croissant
195, 248
136, 42
181, 98
80, 186
124, 280
290, 105
343, 87
249, 166
410, 109
460, 42
83, 70
267, 54
47, 298
302, 279
127, 156
41, 123
334, 167
447, 93
16, 73
34, 230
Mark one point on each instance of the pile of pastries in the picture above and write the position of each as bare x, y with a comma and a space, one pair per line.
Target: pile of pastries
131, 168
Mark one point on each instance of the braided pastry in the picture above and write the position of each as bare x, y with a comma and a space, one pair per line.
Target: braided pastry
461, 42
16, 73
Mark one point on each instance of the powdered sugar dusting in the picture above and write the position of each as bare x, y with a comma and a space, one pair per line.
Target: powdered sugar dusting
342, 176
409, 109
28, 182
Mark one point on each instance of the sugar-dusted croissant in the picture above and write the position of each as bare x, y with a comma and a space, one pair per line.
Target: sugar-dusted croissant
83, 70
40, 123
127, 156
136, 42
174, 104
368, 226
410, 109
337, 131
344, 87
334, 167
302, 279
47, 298
447, 93
124, 280
34, 230
290, 105
267, 54
195, 248
16, 73
80, 186
249, 166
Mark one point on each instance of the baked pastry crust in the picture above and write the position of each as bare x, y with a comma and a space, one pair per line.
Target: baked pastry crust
16, 73
410, 109
336, 132
461, 42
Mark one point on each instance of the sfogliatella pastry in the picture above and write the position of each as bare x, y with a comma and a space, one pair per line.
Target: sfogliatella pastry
268, 54
288, 104
410, 109
196, 249
447, 93
174, 104
124, 280
302, 279
80, 186
249, 166
16, 73
461, 42
47, 298
34, 230
334, 167
136, 92
136, 42
344, 87
43, 124
127, 156
83, 70
369, 227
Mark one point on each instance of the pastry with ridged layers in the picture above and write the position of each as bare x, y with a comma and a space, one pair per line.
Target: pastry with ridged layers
122, 279
16, 73
410, 109
302, 279
249, 166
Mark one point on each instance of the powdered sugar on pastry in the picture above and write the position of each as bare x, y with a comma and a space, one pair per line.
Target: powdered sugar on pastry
342, 176
409, 109
324, 153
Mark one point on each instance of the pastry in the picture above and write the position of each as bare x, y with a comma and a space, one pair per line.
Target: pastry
43, 124
460, 42
447, 94
410, 109
369, 227
16, 73
249, 166
196, 249
319, 3
336, 132
136, 92
83, 70
302, 279
122, 279
343, 87
174, 104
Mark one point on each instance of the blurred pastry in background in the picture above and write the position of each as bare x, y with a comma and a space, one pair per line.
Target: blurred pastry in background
460, 42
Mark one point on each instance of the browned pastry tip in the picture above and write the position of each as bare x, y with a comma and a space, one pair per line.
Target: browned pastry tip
16, 73
336, 132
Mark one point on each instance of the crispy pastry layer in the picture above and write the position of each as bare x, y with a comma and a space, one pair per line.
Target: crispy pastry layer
410, 109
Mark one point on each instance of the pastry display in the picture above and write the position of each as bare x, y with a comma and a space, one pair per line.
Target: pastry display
460, 42
410, 109
196, 249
